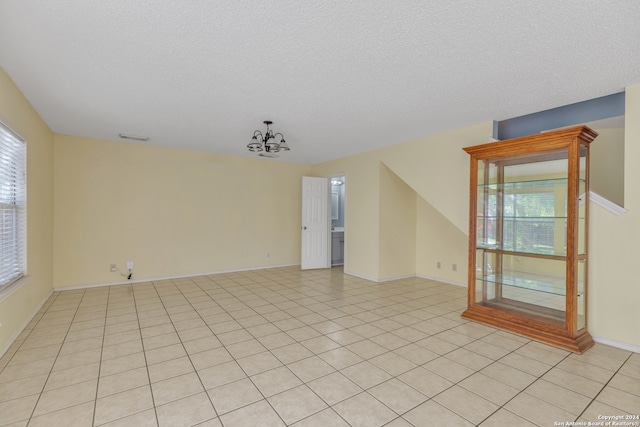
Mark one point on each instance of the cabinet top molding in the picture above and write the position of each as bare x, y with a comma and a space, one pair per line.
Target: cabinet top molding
543, 141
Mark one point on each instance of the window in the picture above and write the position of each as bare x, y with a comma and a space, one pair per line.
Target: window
12, 206
529, 222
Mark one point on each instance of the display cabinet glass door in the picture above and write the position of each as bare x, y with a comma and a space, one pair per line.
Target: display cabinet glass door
521, 235
581, 237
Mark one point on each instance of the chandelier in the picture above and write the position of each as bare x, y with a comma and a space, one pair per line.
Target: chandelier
267, 142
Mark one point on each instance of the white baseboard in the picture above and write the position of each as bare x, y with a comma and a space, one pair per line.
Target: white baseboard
408, 276
386, 279
17, 333
124, 282
617, 344
438, 279
360, 276
156, 279
390, 279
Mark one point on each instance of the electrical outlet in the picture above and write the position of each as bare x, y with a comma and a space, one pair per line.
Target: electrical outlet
439, 264
113, 268
454, 267
129, 265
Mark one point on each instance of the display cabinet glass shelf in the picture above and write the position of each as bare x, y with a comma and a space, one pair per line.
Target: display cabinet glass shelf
528, 236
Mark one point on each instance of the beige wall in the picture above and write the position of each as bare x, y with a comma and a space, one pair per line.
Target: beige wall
438, 240
17, 113
397, 228
607, 164
437, 170
362, 206
172, 212
614, 290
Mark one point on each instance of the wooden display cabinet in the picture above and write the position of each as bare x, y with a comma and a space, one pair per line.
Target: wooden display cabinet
528, 236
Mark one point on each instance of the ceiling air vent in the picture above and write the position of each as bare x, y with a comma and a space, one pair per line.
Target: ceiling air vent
133, 137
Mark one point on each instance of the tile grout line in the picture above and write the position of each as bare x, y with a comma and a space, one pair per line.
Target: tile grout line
57, 354
218, 415
144, 353
104, 333
248, 377
294, 374
456, 349
524, 389
459, 381
366, 360
45, 308
605, 386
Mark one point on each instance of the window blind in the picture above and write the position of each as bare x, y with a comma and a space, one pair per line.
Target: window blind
12, 206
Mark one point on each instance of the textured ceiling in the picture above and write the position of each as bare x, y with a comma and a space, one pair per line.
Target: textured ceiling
336, 77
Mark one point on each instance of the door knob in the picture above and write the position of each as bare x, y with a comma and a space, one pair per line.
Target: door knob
304, 227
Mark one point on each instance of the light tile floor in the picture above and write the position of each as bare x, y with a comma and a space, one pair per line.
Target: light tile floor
288, 347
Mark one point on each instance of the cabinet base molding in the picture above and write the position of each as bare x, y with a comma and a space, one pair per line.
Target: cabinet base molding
535, 330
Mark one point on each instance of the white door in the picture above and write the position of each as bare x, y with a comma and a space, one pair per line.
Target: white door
315, 223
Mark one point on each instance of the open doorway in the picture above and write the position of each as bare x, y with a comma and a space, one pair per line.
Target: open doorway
338, 193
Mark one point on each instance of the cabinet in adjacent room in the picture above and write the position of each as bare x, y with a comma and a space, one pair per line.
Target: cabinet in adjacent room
337, 247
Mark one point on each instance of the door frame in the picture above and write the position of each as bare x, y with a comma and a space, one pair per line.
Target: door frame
343, 176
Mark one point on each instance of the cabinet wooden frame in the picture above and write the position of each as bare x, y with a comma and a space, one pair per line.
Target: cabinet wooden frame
559, 327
